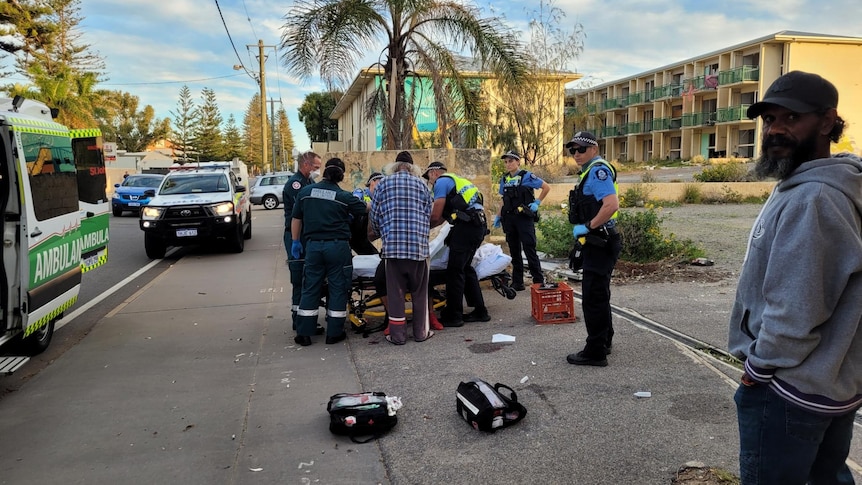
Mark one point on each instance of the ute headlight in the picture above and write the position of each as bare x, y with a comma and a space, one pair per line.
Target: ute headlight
223, 209
152, 213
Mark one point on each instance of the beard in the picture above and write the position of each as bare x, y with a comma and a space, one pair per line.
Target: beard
781, 167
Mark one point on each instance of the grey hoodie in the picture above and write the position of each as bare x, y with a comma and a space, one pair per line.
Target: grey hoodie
797, 318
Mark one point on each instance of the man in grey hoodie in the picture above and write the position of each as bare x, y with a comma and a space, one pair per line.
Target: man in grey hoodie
797, 318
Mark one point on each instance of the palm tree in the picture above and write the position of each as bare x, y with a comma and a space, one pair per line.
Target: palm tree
330, 36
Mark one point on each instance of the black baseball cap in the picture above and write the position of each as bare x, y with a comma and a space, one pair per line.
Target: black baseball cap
802, 92
584, 139
433, 166
371, 178
511, 154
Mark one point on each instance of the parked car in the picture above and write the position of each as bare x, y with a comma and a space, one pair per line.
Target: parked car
129, 195
267, 189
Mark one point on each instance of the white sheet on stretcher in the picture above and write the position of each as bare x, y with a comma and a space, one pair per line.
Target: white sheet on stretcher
489, 259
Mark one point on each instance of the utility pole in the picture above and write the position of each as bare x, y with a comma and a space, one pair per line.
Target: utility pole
262, 82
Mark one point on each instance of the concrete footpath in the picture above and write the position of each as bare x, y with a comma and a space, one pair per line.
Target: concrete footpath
195, 379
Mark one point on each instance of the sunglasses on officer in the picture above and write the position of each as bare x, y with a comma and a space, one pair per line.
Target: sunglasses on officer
577, 148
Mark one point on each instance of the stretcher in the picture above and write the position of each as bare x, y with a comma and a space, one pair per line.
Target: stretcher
365, 304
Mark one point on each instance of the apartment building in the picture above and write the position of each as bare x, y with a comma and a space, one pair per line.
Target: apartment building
356, 132
697, 106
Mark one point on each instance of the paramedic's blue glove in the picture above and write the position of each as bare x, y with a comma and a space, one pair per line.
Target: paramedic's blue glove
497, 222
579, 230
535, 205
296, 249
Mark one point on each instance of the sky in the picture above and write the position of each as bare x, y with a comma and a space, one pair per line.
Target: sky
152, 48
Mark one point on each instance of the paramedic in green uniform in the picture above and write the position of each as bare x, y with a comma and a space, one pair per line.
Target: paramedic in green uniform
320, 229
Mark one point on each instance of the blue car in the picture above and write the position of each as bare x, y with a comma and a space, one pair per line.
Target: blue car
129, 195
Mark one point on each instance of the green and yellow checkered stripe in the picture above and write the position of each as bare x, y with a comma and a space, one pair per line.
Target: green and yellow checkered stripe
41, 127
85, 132
47, 318
103, 258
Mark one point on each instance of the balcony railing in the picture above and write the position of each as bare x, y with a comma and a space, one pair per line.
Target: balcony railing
659, 124
733, 113
612, 131
635, 98
667, 91
633, 127
698, 119
739, 74
613, 103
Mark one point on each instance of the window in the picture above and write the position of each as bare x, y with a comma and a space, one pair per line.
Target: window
90, 166
51, 172
745, 149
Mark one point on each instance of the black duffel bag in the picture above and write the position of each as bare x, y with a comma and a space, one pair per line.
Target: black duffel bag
360, 414
485, 408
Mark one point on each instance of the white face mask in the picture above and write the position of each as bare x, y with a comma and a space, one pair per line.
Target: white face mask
314, 174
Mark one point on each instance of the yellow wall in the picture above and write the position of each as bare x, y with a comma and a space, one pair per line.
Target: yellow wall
673, 191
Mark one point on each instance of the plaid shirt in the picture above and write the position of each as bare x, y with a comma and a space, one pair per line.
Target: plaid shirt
401, 215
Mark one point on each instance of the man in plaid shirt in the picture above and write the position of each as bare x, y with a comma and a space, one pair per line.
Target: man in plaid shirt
401, 215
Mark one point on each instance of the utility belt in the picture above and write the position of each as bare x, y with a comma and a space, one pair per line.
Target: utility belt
473, 216
522, 210
601, 235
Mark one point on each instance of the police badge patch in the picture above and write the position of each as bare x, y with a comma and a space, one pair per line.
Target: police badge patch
602, 174
296, 185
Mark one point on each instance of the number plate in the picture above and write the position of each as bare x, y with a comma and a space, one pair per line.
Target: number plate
91, 260
134, 204
187, 232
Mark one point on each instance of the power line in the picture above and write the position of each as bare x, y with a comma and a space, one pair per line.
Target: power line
231, 41
170, 82
247, 17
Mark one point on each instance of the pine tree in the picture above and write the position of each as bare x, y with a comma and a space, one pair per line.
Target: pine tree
251, 132
233, 143
62, 71
283, 136
182, 136
207, 131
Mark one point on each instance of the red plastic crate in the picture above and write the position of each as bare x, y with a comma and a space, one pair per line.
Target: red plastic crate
553, 305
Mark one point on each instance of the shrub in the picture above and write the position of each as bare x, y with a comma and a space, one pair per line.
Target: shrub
691, 194
725, 172
643, 241
635, 196
554, 236
648, 177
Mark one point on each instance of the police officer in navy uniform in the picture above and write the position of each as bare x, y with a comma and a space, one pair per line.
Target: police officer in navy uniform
320, 229
593, 209
308, 168
459, 202
518, 217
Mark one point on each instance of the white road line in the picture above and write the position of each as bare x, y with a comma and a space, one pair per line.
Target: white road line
110, 291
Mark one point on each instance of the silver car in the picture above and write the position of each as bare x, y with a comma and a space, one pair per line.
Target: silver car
267, 189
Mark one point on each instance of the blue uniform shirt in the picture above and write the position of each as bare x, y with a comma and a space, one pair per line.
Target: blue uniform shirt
529, 180
600, 180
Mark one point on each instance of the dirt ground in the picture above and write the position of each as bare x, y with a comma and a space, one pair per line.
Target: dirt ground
720, 230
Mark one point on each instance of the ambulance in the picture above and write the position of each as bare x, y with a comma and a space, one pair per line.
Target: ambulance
55, 222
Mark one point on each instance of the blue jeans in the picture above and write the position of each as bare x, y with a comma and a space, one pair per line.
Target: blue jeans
782, 444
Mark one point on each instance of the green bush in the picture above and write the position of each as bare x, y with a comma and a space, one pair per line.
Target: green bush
691, 194
724, 172
554, 236
643, 241
635, 196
